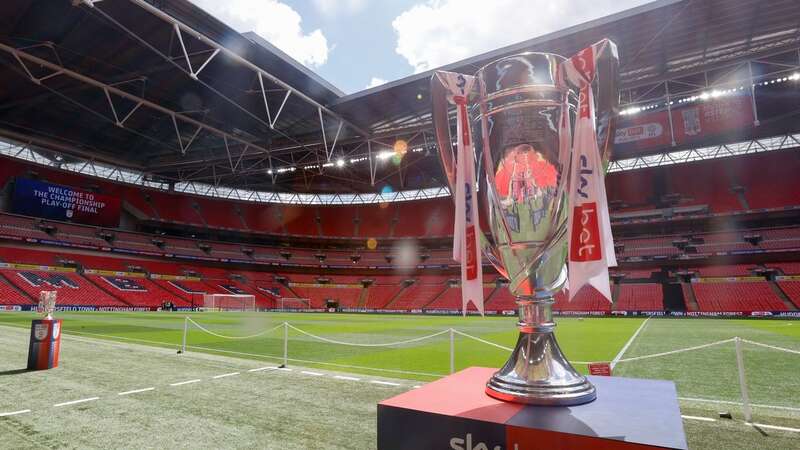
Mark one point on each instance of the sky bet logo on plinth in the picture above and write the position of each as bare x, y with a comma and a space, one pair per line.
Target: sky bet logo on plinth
466, 443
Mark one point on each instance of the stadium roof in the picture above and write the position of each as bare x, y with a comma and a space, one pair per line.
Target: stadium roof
163, 88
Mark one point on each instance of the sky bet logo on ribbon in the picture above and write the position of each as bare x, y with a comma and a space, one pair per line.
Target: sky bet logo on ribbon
585, 240
585, 234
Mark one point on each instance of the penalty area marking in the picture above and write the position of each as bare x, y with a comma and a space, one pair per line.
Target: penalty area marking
181, 383
315, 374
14, 413
628, 344
261, 369
136, 391
75, 402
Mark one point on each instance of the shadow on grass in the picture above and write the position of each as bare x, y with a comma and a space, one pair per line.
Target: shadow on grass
13, 372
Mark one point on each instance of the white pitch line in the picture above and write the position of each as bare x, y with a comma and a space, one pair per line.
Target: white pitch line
774, 427
385, 383
340, 377
628, 344
316, 374
704, 419
181, 383
284, 369
14, 413
416, 387
225, 375
260, 369
75, 402
727, 402
136, 391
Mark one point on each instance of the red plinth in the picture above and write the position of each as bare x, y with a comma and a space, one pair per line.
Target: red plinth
45, 344
455, 413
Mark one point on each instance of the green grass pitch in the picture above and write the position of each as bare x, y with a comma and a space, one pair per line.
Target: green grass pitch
105, 354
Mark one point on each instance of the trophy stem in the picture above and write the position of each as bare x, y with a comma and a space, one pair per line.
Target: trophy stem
537, 372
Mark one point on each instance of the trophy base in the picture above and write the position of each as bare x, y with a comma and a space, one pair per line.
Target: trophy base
538, 374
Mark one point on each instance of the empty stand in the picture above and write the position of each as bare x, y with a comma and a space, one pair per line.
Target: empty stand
11, 296
379, 295
136, 291
737, 296
419, 294
587, 299
73, 290
640, 297
792, 291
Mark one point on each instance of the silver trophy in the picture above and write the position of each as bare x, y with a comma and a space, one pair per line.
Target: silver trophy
47, 303
522, 169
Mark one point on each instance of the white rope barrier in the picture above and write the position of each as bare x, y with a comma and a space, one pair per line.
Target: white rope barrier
477, 339
321, 363
781, 349
501, 347
681, 350
354, 344
233, 337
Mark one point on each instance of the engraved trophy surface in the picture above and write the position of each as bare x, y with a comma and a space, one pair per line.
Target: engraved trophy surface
522, 154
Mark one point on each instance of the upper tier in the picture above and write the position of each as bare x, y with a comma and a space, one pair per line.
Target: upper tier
716, 186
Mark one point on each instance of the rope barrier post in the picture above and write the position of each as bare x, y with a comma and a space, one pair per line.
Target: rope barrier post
185, 330
285, 344
452, 351
748, 415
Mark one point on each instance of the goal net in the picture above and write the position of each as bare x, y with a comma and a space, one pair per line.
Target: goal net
229, 302
294, 303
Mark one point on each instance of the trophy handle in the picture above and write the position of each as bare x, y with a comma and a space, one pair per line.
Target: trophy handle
447, 156
607, 101
441, 126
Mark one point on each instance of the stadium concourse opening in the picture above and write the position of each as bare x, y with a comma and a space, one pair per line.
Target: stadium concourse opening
184, 186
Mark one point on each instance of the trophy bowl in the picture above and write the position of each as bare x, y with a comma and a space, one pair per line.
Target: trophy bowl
519, 107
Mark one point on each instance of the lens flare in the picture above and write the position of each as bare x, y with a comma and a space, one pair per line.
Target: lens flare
400, 147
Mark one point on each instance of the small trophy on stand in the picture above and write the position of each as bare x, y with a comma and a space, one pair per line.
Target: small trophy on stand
47, 303
45, 342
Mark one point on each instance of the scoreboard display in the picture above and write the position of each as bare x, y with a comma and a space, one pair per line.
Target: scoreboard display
64, 203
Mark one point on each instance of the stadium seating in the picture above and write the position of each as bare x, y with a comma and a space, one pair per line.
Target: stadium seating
73, 290
792, 291
136, 291
639, 297
451, 299
737, 296
379, 295
789, 268
587, 299
501, 300
739, 270
79, 234
347, 297
419, 294
24, 255
21, 227
10, 296
135, 241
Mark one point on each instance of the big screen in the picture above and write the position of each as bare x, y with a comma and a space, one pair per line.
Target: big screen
57, 202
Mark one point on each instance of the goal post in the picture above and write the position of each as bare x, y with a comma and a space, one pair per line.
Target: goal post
294, 303
229, 302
